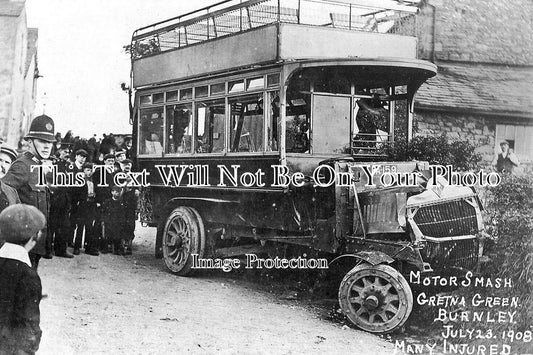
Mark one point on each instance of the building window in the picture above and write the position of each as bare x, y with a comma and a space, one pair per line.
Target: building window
210, 119
520, 138
179, 129
151, 131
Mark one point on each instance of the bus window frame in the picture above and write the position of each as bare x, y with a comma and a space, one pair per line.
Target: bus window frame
226, 95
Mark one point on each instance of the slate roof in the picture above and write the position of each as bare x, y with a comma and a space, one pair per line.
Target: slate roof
479, 88
11, 8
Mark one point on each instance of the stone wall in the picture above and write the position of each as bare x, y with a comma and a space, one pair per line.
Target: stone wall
479, 130
14, 83
477, 31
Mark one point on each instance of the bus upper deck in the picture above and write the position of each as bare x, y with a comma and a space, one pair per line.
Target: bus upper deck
247, 33
307, 82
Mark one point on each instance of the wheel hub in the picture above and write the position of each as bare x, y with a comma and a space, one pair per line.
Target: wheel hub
371, 303
176, 241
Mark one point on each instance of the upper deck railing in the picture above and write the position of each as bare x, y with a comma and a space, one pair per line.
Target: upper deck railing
234, 16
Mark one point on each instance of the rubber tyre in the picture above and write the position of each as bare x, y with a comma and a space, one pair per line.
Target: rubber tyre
183, 236
375, 298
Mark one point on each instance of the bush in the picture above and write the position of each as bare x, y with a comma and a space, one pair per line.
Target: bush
436, 150
510, 245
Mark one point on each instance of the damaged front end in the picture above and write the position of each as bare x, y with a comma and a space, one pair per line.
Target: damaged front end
429, 227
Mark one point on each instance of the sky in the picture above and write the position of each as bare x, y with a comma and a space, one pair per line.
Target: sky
82, 61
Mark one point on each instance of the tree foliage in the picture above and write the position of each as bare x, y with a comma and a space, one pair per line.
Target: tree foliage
510, 244
436, 150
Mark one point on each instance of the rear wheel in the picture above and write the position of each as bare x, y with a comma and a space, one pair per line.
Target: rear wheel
183, 236
376, 298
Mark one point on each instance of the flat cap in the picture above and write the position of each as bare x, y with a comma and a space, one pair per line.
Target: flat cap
20, 222
82, 152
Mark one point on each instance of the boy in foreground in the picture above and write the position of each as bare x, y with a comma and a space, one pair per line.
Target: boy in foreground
20, 285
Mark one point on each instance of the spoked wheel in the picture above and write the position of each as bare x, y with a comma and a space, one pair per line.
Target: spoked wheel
376, 299
183, 236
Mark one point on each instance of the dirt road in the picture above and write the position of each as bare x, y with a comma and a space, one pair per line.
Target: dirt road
130, 305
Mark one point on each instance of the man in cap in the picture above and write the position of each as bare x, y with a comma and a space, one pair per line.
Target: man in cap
24, 179
129, 200
103, 193
7, 156
76, 196
20, 286
8, 195
62, 154
506, 161
59, 223
120, 156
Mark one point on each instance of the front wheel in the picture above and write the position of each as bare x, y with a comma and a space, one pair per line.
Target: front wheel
183, 237
376, 298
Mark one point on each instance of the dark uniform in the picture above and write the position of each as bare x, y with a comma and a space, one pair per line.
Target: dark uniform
103, 193
113, 217
129, 200
87, 216
59, 221
76, 196
21, 178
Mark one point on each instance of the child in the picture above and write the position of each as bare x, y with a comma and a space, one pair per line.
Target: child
20, 286
129, 199
113, 217
87, 204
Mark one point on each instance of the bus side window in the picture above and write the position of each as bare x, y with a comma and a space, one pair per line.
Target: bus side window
151, 131
372, 125
246, 118
273, 121
210, 118
298, 127
179, 129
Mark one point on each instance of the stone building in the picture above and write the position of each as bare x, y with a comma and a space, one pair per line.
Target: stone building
483, 91
18, 71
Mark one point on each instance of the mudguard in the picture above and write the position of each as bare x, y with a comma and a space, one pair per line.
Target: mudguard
371, 257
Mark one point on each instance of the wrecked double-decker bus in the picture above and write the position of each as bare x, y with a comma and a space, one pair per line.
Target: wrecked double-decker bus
262, 123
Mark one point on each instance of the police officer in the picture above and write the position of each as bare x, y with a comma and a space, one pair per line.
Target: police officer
24, 179
8, 195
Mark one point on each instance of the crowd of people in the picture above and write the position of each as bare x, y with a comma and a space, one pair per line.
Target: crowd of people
39, 219
98, 209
